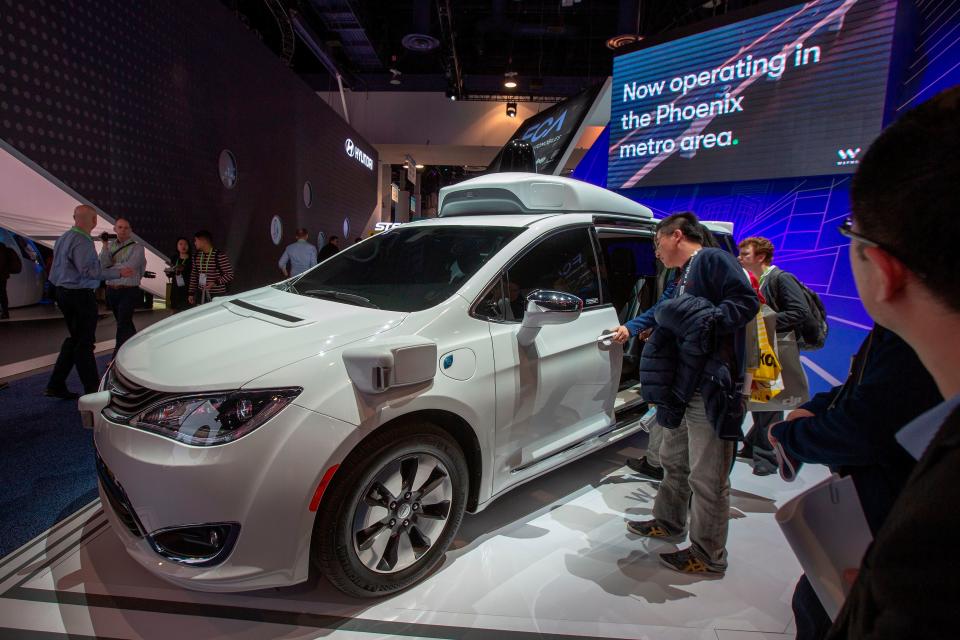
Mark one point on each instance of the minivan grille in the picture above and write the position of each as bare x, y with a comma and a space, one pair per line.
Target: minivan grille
127, 398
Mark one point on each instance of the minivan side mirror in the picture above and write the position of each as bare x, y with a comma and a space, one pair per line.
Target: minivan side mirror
548, 307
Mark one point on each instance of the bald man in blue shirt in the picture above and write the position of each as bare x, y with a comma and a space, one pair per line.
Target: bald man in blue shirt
77, 272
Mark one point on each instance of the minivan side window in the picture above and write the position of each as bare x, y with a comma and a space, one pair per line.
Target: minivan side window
563, 261
493, 304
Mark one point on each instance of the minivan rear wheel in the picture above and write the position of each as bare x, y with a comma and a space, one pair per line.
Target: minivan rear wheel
394, 508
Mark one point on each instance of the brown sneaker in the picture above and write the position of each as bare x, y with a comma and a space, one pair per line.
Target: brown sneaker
653, 529
690, 562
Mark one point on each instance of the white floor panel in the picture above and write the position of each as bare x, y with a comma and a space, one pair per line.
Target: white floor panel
552, 559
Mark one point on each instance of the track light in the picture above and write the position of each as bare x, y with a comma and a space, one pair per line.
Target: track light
510, 80
451, 94
395, 76
511, 109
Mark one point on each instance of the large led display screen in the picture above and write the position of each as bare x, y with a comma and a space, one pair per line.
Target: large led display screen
795, 92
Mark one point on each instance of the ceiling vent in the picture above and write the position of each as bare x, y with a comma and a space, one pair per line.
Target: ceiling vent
419, 42
420, 39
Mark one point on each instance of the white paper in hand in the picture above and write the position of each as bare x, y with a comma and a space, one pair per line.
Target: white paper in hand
828, 533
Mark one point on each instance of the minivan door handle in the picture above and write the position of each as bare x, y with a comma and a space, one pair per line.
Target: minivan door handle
605, 340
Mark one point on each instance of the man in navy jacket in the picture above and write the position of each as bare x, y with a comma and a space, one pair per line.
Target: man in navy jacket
903, 254
692, 369
851, 429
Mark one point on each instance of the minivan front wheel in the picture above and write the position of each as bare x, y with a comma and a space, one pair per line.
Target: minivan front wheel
393, 511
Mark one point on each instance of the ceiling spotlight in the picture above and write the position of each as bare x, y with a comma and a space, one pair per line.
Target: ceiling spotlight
451, 94
510, 80
419, 166
395, 76
511, 109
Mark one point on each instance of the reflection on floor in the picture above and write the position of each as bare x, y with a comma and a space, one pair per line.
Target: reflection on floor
550, 560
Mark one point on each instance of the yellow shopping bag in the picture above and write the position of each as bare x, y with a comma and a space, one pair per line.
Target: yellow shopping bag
766, 379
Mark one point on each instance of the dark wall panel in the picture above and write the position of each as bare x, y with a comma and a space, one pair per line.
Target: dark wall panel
131, 103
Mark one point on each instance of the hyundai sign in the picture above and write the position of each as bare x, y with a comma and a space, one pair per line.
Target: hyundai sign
354, 152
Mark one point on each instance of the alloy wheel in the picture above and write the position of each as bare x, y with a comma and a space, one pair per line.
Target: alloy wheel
402, 513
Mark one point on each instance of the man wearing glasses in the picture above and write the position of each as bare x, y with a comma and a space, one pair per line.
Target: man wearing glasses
903, 255
699, 341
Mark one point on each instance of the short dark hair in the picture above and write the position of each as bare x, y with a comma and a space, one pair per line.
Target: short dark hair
206, 235
709, 240
332, 238
686, 221
904, 194
302, 231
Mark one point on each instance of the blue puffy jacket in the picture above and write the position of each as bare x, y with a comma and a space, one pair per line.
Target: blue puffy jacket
699, 345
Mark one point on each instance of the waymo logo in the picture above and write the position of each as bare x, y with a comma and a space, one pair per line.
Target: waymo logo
848, 156
354, 152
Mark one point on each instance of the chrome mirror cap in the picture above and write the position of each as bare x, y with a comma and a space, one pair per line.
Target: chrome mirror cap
551, 307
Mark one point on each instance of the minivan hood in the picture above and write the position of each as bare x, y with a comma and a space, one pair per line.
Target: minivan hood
226, 343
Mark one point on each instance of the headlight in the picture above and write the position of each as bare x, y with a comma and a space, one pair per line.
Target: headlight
207, 420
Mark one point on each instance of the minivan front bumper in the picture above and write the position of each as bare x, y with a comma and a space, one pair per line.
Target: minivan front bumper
259, 488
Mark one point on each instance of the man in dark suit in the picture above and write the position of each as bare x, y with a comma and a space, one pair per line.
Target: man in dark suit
903, 253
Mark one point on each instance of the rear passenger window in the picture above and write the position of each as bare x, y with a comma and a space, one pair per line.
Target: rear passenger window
564, 261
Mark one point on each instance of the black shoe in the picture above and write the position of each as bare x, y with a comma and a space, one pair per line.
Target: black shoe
764, 470
63, 394
653, 529
746, 451
644, 468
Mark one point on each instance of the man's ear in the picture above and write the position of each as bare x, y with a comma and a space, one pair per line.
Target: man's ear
890, 274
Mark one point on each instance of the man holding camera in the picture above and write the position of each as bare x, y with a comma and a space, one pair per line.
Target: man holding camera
123, 293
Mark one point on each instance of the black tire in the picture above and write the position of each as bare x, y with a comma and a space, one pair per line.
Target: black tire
335, 550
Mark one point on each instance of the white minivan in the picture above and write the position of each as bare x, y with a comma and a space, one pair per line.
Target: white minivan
347, 418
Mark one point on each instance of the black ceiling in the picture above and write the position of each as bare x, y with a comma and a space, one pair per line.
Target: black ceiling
555, 49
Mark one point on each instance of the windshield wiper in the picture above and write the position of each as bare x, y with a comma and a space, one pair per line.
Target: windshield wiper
340, 295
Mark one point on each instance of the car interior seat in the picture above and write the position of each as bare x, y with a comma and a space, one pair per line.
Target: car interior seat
622, 277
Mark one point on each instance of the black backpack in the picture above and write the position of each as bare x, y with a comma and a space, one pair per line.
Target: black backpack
813, 333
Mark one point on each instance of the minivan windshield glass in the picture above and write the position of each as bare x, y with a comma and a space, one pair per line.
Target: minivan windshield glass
404, 269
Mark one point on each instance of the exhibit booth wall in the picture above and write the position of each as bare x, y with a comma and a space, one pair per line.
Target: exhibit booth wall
800, 215
133, 105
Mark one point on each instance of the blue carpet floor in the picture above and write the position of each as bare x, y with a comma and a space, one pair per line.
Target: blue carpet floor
46, 459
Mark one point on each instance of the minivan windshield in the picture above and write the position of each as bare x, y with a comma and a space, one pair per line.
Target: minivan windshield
404, 269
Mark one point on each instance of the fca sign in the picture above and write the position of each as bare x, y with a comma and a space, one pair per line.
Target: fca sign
545, 128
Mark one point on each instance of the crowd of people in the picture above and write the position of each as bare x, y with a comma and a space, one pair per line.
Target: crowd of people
893, 426
78, 270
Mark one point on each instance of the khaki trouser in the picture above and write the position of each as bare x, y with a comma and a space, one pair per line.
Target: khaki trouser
696, 461
653, 444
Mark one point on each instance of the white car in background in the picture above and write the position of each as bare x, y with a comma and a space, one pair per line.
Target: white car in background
26, 287
349, 417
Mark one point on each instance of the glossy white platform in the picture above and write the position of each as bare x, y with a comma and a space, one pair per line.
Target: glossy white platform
551, 560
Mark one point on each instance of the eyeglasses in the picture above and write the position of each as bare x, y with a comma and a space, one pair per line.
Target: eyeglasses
846, 230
